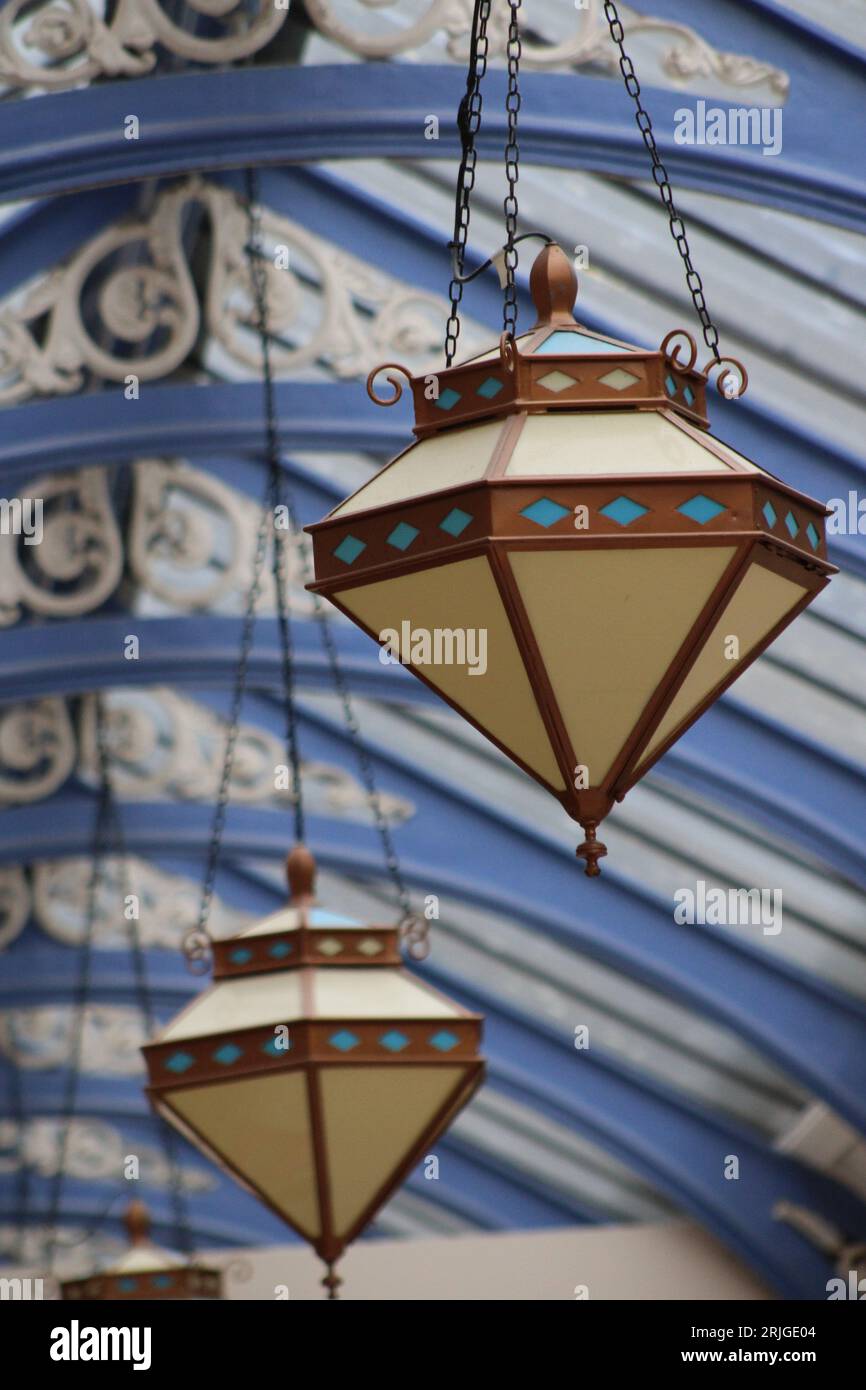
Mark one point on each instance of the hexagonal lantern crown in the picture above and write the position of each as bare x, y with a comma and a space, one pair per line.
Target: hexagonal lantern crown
567, 555
145, 1271
315, 1070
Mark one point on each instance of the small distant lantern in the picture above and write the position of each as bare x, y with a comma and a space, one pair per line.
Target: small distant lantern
146, 1271
316, 1070
565, 499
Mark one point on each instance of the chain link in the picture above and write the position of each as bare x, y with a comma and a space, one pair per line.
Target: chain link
512, 170
468, 124
661, 180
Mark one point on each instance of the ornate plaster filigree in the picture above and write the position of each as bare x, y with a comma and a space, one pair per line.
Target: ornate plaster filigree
40, 1038
14, 903
64, 43
168, 904
77, 563
167, 745
192, 542
95, 1152
328, 310
37, 754
682, 56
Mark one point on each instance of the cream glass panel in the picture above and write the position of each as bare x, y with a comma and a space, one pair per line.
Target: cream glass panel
250, 1001
464, 596
594, 442
287, 919
373, 1118
356, 993
441, 461
261, 1126
608, 624
761, 601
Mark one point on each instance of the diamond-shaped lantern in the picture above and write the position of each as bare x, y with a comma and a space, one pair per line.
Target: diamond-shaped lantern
315, 1069
567, 555
145, 1271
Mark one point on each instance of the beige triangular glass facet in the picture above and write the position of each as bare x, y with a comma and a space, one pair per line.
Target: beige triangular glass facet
432, 465
463, 597
608, 624
260, 1126
589, 443
759, 603
373, 1117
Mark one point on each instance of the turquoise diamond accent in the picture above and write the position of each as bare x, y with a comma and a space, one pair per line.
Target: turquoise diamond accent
270, 1047
443, 1041
228, 1053
240, 956
349, 549
489, 388
623, 510
180, 1062
769, 514
127, 1285
670, 385
544, 512
701, 509
448, 399
344, 1041
689, 395
280, 950
455, 522
162, 1281
812, 533
792, 525
394, 1041
403, 535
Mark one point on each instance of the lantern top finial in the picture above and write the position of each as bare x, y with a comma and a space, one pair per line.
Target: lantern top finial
136, 1218
301, 874
553, 285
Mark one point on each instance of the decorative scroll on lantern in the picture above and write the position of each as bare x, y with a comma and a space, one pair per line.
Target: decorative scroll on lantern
315, 1069
565, 497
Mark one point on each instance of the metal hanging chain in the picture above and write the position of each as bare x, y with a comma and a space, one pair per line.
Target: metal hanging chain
662, 182
512, 170
180, 1212
79, 1005
414, 930
279, 498
468, 124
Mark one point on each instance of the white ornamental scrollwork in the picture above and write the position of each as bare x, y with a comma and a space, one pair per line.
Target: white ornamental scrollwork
168, 905
681, 55
191, 543
41, 1038
63, 43
165, 745
132, 283
78, 561
14, 904
95, 1152
37, 750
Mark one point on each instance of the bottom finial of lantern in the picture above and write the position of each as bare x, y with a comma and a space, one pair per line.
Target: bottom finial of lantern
332, 1280
591, 850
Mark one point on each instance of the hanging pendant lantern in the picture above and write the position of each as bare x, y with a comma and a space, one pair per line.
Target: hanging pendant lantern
315, 1069
565, 511
146, 1271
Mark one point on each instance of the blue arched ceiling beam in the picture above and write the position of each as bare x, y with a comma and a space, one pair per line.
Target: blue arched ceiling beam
197, 422
671, 1142
752, 762
494, 861
471, 1185
40, 237
211, 120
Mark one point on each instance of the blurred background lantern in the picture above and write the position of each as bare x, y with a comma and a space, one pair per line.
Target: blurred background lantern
315, 1069
146, 1271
